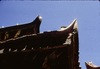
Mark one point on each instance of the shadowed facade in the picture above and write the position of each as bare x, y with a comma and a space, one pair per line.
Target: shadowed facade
48, 50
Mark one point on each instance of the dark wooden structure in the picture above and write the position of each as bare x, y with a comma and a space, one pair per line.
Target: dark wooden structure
20, 30
90, 65
47, 50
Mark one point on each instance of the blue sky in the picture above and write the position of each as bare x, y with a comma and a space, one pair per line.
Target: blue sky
56, 14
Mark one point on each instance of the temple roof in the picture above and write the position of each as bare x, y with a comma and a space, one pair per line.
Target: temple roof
90, 65
20, 30
52, 38
48, 50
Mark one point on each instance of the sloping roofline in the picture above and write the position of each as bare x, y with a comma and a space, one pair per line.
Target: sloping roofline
20, 30
90, 65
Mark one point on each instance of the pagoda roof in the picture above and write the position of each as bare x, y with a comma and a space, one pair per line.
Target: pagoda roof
90, 65
20, 30
50, 38
48, 50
